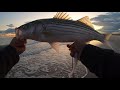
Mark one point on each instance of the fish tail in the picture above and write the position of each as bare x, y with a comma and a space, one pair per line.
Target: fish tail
107, 36
106, 41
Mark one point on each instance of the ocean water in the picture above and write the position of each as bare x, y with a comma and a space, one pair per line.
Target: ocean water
41, 61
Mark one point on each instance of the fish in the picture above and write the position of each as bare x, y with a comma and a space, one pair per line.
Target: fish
61, 28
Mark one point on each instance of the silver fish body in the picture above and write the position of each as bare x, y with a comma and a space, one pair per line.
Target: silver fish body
58, 30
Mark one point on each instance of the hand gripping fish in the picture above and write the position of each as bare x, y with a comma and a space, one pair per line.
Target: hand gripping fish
61, 28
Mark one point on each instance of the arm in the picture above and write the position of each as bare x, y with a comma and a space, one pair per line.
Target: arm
104, 63
9, 55
8, 58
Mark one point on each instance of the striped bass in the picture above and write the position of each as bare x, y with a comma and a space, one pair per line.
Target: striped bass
61, 28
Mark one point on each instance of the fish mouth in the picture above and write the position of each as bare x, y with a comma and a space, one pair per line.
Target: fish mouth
18, 33
21, 36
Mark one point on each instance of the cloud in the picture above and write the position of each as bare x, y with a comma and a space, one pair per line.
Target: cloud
10, 25
110, 21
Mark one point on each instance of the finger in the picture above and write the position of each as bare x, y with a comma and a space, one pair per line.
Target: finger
21, 42
72, 48
21, 49
20, 46
68, 45
72, 54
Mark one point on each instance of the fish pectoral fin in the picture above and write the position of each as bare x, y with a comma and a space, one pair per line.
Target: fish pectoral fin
62, 15
86, 21
55, 46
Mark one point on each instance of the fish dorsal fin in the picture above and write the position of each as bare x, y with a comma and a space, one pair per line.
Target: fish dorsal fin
86, 21
62, 15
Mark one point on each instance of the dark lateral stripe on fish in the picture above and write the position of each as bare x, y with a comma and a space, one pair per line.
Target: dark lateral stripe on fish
67, 26
69, 29
64, 30
69, 22
71, 25
58, 21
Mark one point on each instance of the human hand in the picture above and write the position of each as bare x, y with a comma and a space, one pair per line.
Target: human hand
76, 47
18, 44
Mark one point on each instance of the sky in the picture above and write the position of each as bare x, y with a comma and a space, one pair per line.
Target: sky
15, 19
109, 21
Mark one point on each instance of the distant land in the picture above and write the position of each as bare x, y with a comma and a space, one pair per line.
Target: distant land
8, 33
9, 30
